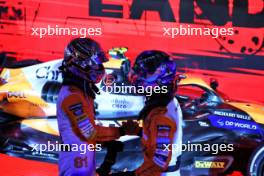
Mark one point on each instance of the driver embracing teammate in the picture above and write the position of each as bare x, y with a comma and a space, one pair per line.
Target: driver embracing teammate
82, 68
162, 116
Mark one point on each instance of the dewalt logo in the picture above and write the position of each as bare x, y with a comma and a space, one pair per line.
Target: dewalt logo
209, 164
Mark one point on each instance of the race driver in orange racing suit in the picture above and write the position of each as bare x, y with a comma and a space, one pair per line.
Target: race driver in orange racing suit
82, 68
162, 116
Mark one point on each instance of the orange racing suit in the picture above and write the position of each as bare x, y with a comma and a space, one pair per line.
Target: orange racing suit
77, 126
162, 126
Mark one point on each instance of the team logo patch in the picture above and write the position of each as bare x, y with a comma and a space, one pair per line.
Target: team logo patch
163, 140
162, 152
160, 160
163, 131
164, 127
83, 121
76, 109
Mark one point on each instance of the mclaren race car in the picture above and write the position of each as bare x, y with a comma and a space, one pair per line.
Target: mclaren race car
220, 135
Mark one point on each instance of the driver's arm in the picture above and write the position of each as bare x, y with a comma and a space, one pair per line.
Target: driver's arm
81, 115
156, 157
